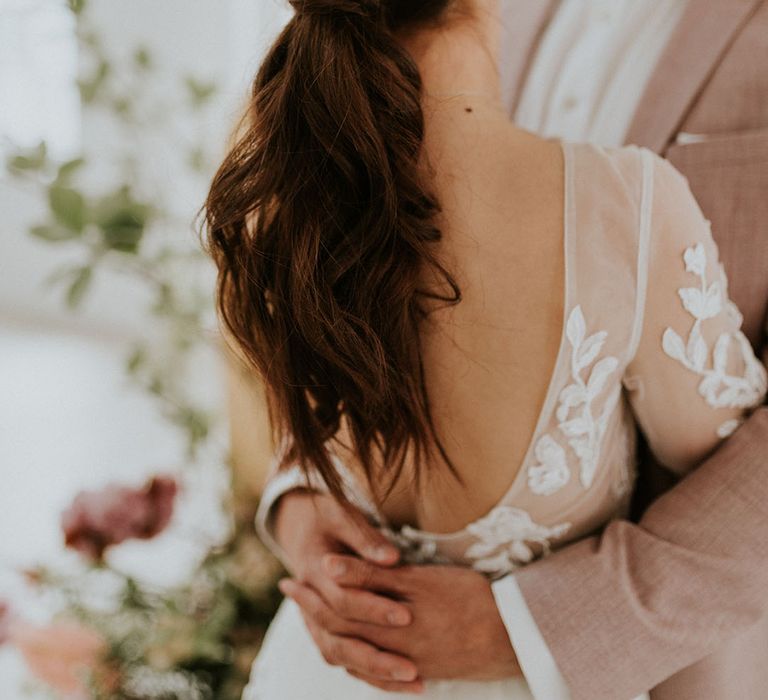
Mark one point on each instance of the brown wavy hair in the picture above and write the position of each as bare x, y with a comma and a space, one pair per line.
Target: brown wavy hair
320, 226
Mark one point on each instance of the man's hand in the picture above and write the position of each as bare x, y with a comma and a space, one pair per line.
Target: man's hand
456, 631
309, 526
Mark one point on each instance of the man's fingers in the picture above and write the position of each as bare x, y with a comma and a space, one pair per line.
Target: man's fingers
364, 658
311, 603
348, 652
364, 606
390, 686
356, 573
360, 605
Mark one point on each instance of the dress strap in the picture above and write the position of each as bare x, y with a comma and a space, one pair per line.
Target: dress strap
643, 243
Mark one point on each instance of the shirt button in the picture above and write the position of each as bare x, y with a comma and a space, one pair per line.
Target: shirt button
569, 103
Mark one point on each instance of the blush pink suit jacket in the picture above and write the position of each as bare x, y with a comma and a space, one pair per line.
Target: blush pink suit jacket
677, 599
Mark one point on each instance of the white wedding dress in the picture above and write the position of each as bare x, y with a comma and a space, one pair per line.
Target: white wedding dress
649, 340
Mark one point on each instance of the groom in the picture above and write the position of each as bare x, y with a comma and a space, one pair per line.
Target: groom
677, 601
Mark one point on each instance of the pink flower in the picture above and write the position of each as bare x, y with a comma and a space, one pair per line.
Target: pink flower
64, 655
99, 519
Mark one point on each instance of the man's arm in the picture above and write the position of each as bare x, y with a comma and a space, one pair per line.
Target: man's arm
622, 611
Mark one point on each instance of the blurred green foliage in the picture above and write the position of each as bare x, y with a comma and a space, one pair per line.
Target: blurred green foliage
122, 228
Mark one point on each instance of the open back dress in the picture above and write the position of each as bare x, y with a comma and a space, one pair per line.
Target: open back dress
650, 341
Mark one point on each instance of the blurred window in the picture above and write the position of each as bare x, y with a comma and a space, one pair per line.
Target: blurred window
39, 98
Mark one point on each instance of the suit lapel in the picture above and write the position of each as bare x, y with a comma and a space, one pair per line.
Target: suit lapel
524, 24
701, 38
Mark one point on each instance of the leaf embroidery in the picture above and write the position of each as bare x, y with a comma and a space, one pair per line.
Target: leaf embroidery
504, 537
719, 389
585, 432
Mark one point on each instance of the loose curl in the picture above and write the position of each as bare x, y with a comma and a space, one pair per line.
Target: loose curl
320, 227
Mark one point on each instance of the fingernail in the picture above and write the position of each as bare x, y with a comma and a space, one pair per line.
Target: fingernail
403, 674
398, 617
380, 553
335, 567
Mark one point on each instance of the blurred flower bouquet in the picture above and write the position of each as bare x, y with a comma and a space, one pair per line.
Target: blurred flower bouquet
118, 638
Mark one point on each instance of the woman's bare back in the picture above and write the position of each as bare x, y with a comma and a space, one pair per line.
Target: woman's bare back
488, 359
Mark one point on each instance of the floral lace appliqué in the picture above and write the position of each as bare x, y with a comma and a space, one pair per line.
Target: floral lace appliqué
584, 431
719, 389
414, 546
504, 537
552, 472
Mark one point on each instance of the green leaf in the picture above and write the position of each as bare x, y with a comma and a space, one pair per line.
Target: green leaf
77, 6
199, 92
89, 88
195, 422
136, 359
164, 302
142, 58
90, 39
79, 286
68, 207
31, 160
196, 159
66, 169
59, 274
122, 221
123, 106
52, 233
123, 238
156, 386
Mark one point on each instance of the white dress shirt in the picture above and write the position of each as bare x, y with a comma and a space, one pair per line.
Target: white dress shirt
592, 66
586, 81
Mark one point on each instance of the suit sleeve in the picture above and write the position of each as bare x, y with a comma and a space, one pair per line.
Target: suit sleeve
623, 610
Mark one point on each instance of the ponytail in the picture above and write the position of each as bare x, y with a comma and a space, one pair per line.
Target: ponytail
320, 228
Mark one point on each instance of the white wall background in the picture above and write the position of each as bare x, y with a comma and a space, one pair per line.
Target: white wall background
68, 418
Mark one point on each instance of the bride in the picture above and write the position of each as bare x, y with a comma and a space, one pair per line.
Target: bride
459, 326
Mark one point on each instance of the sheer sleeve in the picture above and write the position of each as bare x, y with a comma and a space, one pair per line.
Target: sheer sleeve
694, 376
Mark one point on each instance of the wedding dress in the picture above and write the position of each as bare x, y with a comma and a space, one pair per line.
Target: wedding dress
650, 340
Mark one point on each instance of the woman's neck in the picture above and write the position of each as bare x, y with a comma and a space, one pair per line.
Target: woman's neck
461, 60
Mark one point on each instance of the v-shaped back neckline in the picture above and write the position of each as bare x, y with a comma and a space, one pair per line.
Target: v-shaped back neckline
550, 395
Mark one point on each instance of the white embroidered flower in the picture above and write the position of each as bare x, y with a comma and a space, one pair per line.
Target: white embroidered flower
415, 547
504, 537
695, 260
585, 432
718, 388
728, 427
552, 472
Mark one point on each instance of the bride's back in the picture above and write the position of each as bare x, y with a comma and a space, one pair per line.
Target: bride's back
488, 360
